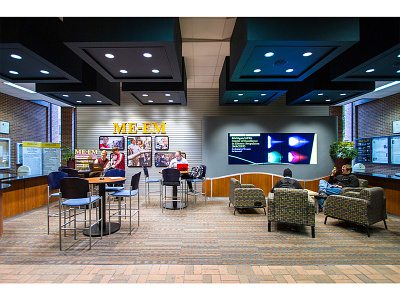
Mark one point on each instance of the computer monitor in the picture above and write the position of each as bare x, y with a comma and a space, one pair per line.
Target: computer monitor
95, 167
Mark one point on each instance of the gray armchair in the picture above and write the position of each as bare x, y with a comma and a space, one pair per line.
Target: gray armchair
364, 208
245, 196
291, 206
362, 184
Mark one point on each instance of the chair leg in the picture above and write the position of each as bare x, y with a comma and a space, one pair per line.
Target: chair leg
325, 219
269, 226
384, 221
59, 222
90, 225
366, 227
265, 213
313, 231
234, 211
130, 214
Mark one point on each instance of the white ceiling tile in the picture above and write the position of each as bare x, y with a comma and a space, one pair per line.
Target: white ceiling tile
221, 60
228, 28
187, 49
225, 49
202, 85
206, 48
186, 28
216, 79
218, 70
204, 71
190, 79
191, 85
208, 28
189, 61
205, 61
198, 79
215, 85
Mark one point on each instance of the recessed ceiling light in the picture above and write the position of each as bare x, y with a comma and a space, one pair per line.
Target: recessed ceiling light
109, 55
167, 95
327, 100
170, 100
236, 100
13, 72
44, 72
87, 95
370, 70
79, 101
320, 94
98, 101
398, 71
263, 94
16, 56
289, 70
155, 71
19, 87
257, 70
344, 94
398, 55
150, 101
123, 71
255, 100
269, 54
307, 54
307, 100
145, 95
65, 96
147, 55
240, 94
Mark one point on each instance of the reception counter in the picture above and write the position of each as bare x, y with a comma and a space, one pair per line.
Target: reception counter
23, 193
390, 185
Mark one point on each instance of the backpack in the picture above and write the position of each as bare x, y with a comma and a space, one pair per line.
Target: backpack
288, 183
197, 172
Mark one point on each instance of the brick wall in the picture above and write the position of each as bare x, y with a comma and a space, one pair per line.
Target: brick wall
67, 128
28, 122
337, 111
376, 118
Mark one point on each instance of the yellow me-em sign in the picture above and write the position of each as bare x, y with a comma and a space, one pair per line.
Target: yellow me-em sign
133, 128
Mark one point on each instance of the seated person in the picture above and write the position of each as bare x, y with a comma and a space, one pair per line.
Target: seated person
181, 160
336, 183
101, 160
287, 181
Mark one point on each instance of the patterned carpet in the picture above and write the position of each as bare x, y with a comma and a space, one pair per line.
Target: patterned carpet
206, 235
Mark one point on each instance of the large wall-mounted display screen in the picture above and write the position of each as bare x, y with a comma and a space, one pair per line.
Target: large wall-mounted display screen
364, 148
395, 150
380, 150
272, 148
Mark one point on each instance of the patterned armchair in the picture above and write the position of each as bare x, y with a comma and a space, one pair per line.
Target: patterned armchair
245, 196
364, 208
363, 183
292, 206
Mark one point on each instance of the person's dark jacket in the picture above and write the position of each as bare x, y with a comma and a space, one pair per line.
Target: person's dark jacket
348, 180
287, 182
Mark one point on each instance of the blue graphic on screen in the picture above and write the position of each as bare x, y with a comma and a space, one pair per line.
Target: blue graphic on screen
272, 148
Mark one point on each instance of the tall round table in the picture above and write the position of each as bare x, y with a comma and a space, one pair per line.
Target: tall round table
108, 227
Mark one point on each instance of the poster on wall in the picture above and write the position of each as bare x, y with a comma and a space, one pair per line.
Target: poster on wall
139, 151
107, 142
161, 143
5, 153
19, 154
162, 159
32, 156
51, 157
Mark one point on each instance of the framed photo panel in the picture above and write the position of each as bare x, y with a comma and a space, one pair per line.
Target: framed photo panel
19, 153
5, 149
162, 159
161, 143
107, 142
139, 151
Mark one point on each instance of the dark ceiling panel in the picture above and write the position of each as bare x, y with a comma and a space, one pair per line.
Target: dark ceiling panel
41, 55
289, 39
94, 90
376, 57
128, 39
247, 93
317, 89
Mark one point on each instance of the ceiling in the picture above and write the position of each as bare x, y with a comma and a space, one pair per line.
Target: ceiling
252, 61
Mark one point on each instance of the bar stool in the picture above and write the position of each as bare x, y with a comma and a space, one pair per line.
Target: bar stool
171, 177
147, 191
53, 184
200, 179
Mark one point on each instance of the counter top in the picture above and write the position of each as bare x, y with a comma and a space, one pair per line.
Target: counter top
378, 175
19, 177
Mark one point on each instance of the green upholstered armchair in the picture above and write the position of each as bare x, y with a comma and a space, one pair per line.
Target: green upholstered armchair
364, 208
363, 183
245, 196
292, 206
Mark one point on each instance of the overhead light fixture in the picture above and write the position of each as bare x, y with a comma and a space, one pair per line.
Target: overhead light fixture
255, 100
398, 55
87, 95
19, 87
123, 71
155, 71
328, 100
307, 54
289, 70
109, 55
99, 101
344, 94
79, 101
307, 100
16, 56
236, 100
147, 55
263, 94
145, 95
257, 70
170, 100
269, 54
398, 71
44, 72
370, 71
386, 86
65, 96
320, 94
13, 72
150, 101
240, 94
167, 95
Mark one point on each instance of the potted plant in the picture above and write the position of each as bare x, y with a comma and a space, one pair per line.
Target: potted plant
343, 152
68, 155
